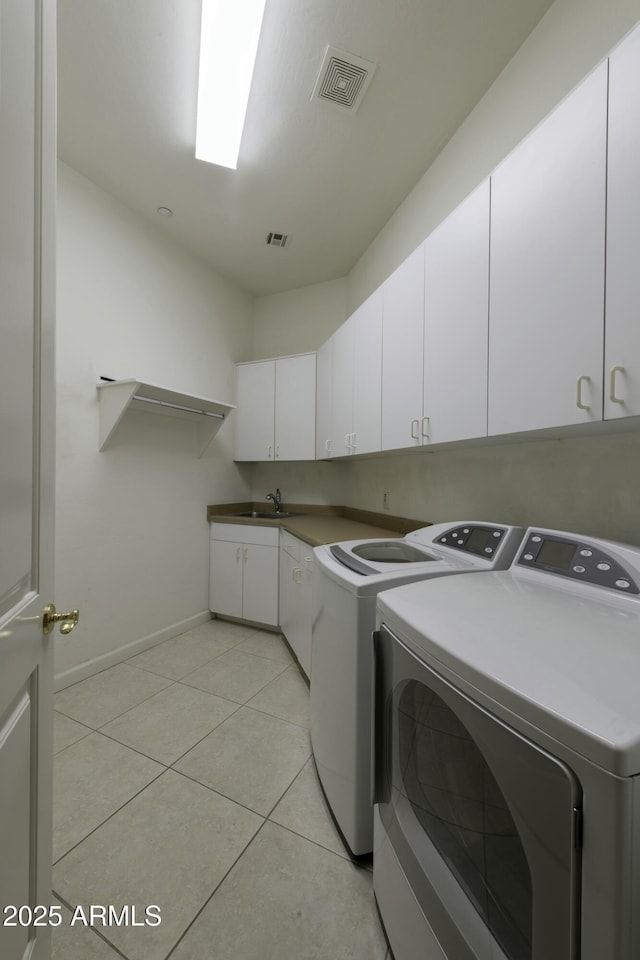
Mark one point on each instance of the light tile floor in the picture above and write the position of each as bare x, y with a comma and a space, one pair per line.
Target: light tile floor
184, 779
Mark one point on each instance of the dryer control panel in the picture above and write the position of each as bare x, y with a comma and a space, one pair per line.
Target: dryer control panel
579, 560
481, 540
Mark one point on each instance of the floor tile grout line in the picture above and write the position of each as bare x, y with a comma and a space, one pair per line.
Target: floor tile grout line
173, 684
169, 766
118, 715
274, 716
215, 890
62, 750
188, 776
94, 930
112, 814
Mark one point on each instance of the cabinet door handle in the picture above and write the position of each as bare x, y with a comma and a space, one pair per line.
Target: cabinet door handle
347, 441
353, 441
245, 553
297, 575
308, 559
424, 430
269, 451
277, 451
238, 554
579, 383
415, 424
327, 446
612, 385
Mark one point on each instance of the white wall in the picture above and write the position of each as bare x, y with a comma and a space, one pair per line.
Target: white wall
132, 537
298, 321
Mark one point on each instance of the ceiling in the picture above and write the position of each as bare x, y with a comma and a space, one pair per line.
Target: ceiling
327, 178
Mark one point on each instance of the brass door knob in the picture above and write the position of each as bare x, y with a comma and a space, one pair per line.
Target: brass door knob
67, 621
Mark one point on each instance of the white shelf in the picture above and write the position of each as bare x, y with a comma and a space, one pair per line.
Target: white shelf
118, 396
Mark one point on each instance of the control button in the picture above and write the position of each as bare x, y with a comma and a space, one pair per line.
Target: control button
604, 566
454, 533
578, 569
528, 556
460, 542
586, 553
443, 539
497, 533
623, 584
466, 530
488, 549
536, 539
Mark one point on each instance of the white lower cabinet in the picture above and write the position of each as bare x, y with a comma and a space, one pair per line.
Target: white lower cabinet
243, 579
296, 575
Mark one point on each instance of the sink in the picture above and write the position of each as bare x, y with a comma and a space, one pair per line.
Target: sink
266, 515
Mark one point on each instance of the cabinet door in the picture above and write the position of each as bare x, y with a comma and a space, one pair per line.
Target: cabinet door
456, 313
342, 402
260, 584
255, 416
296, 408
547, 269
367, 375
306, 610
402, 353
289, 597
225, 579
622, 344
324, 389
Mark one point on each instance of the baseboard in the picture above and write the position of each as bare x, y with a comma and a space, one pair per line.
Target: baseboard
105, 660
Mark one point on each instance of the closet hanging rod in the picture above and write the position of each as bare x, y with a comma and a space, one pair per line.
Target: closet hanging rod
178, 406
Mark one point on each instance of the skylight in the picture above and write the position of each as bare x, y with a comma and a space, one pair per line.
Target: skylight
228, 45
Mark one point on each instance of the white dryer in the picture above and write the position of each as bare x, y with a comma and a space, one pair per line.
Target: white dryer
348, 577
507, 824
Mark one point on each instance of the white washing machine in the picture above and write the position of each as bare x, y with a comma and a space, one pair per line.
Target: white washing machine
507, 824
347, 579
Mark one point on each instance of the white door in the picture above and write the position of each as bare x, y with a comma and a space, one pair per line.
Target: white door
546, 313
622, 343
402, 352
27, 299
367, 375
456, 322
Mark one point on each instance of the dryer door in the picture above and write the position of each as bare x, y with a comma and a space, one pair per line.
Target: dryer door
485, 824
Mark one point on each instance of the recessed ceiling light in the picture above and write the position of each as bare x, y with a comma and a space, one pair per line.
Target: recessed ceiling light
229, 36
165, 212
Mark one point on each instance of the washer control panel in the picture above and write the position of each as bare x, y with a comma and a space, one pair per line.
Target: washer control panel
575, 559
483, 541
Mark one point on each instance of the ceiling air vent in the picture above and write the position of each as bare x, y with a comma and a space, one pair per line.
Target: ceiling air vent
343, 79
277, 239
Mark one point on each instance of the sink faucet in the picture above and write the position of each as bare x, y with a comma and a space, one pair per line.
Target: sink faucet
277, 499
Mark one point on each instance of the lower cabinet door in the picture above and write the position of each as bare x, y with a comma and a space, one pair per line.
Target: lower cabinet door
260, 583
225, 578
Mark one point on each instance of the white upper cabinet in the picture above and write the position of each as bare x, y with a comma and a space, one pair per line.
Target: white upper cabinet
295, 434
276, 414
622, 341
255, 413
402, 354
356, 382
324, 397
367, 375
342, 392
457, 323
547, 269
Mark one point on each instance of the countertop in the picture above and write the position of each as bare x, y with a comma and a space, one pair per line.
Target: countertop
319, 524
